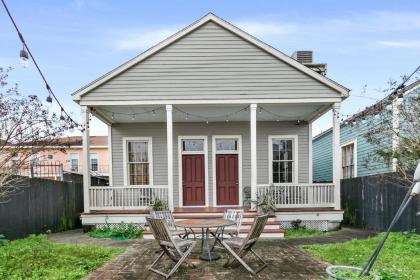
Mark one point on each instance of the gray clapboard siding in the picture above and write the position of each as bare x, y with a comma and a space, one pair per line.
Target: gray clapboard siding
158, 133
210, 63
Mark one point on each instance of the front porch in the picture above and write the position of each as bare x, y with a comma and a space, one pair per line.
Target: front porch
189, 157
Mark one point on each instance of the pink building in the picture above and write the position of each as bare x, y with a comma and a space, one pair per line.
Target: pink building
69, 155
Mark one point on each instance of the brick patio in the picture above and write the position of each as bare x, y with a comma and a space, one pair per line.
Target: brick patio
285, 257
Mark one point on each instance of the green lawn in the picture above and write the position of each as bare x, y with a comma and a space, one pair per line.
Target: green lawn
37, 258
294, 233
399, 259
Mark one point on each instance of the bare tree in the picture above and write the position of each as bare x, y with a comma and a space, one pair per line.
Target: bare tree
26, 128
393, 127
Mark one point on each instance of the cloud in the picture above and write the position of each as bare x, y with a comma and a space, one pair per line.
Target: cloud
408, 44
144, 38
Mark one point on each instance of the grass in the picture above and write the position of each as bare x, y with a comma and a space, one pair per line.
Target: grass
295, 233
399, 259
35, 257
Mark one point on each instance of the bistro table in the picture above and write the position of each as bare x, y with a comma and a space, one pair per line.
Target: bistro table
206, 225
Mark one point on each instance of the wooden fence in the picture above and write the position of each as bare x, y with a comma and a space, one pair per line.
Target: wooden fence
372, 202
42, 205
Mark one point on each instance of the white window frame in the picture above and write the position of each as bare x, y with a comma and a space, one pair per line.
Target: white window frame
74, 156
206, 167
295, 146
149, 156
94, 156
239, 153
354, 142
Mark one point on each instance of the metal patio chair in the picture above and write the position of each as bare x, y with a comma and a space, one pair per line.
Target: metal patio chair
239, 247
175, 248
170, 221
234, 215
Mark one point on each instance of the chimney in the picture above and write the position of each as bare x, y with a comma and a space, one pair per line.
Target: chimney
306, 58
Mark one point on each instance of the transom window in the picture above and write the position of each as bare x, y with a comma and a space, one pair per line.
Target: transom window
347, 159
193, 145
282, 160
138, 162
226, 144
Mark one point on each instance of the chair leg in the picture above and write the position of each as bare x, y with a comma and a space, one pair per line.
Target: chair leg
241, 261
264, 263
181, 260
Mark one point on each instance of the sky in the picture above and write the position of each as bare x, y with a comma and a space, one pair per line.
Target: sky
364, 43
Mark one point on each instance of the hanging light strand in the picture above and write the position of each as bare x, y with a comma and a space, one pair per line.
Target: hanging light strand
23, 54
131, 114
209, 118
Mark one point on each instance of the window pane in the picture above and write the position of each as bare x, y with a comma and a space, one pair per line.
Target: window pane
138, 173
226, 145
193, 145
137, 151
94, 164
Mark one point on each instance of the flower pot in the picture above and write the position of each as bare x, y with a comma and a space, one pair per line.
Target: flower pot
333, 270
270, 213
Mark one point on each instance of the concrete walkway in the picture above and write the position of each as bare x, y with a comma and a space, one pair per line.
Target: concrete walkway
286, 259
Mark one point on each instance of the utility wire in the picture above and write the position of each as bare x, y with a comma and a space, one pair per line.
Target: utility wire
22, 39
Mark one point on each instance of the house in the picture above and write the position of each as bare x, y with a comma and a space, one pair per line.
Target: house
65, 156
208, 119
357, 152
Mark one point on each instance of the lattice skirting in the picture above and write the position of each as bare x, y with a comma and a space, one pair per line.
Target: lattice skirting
116, 225
322, 225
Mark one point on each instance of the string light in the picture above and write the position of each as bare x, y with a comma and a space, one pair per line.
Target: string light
25, 54
24, 57
133, 117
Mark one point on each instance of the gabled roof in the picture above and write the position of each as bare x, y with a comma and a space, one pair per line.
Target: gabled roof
343, 91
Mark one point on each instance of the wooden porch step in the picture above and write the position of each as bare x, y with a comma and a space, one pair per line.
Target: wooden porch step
206, 216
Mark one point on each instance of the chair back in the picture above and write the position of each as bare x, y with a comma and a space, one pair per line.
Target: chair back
167, 216
234, 215
160, 231
255, 232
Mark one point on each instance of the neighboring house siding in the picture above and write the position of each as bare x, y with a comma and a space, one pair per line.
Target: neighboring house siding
210, 63
158, 133
366, 163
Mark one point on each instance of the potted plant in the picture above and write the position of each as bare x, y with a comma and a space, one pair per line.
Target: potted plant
265, 204
158, 204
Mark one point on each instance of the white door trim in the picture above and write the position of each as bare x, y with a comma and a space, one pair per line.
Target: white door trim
295, 155
239, 152
206, 168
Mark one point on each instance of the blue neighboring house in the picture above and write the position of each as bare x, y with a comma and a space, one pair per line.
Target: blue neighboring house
356, 151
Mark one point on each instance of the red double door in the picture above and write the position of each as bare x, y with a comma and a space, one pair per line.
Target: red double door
193, 180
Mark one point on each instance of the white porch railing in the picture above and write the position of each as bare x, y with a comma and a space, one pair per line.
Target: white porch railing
300, 195
125, 197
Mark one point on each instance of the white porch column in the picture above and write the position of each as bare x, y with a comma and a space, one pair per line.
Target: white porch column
86, 158
253, 132
336, 154
169, 141
310, 164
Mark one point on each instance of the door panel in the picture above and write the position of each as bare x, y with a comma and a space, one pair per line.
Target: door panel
227, 184
193, 178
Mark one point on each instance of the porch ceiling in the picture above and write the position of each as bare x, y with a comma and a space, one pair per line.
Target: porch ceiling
211, 113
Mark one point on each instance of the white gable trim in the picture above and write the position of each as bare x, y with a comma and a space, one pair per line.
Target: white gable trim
210, 17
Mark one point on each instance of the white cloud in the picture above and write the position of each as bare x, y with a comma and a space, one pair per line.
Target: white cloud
409, 44
144, 38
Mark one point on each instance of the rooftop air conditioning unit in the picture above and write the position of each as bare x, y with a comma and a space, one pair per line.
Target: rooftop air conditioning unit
303, 56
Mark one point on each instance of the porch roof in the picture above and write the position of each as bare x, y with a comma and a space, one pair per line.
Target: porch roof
210, 112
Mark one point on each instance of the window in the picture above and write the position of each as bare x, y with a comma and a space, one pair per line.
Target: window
193, 145
226, 144
282, 160
348, 161
74, 162
138, 162
94, 162
50, 157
